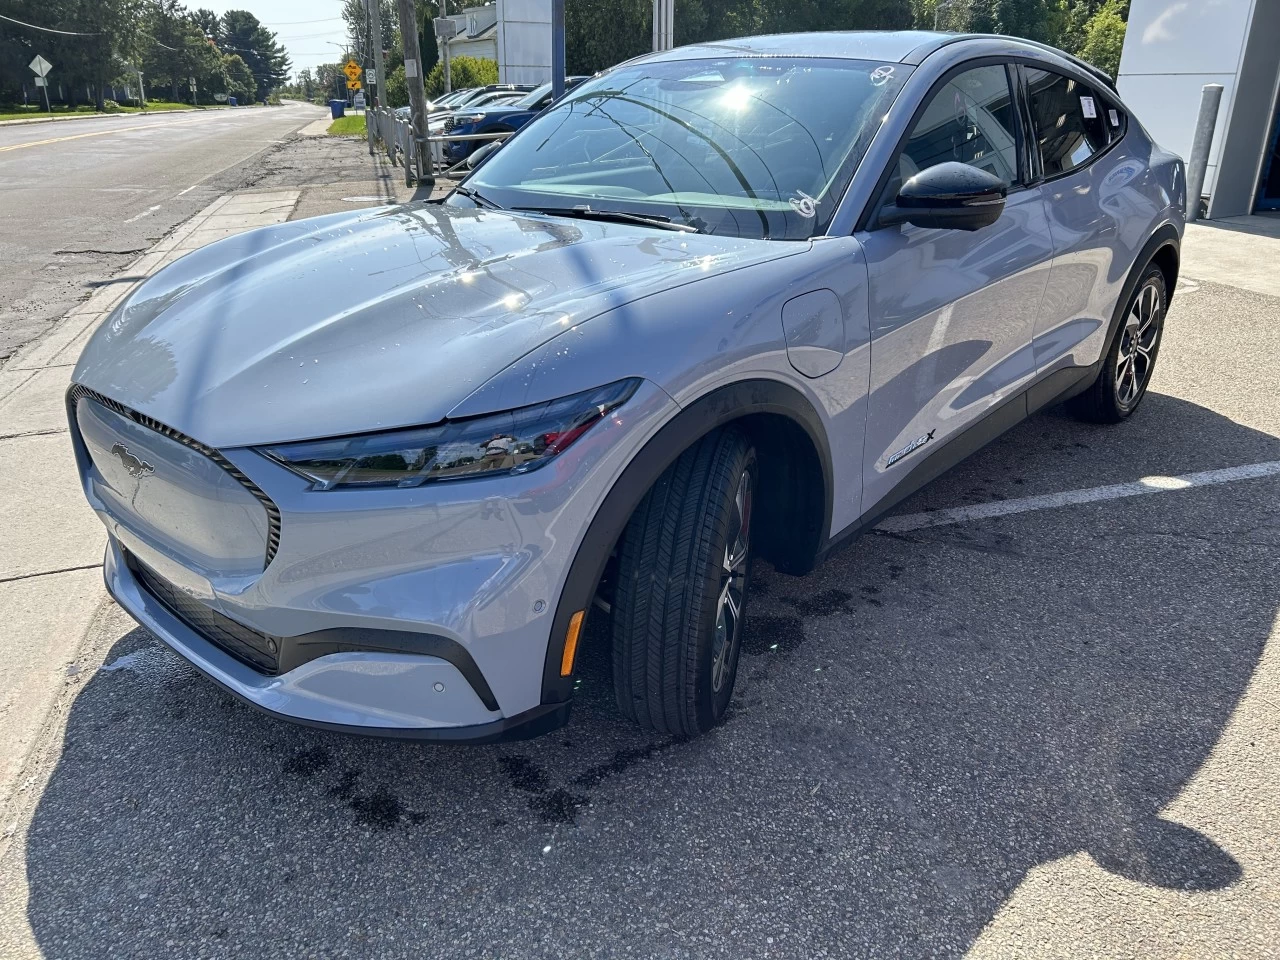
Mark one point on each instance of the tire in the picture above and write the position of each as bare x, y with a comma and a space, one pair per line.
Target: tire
682, 563
1126, 370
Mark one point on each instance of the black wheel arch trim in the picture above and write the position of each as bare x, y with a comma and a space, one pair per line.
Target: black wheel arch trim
715, 409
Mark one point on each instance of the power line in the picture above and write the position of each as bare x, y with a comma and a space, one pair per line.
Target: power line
65, 33
294, 23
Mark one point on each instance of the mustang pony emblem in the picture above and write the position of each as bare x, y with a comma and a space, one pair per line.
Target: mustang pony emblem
137, 468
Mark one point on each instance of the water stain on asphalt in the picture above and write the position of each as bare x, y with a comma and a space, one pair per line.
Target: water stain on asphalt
308, 762
379, 809
555, 804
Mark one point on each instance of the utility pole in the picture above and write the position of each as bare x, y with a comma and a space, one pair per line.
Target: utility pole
413, 77
444, 50
375, 20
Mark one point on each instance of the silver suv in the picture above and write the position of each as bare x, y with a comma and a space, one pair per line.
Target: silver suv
728, 302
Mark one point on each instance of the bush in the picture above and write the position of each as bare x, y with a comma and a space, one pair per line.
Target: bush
397, 92
463, 72
110, 106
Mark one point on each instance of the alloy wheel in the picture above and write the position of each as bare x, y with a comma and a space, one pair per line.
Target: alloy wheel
1138, 343
733, 581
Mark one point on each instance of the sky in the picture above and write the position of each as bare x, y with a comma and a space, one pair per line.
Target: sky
301, 26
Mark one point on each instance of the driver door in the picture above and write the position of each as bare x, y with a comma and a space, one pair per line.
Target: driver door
952, 312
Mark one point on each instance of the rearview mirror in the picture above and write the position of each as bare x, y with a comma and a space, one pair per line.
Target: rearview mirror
948, 196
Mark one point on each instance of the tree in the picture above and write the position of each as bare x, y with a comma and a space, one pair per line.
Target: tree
240, 80
1104, 38
243, 35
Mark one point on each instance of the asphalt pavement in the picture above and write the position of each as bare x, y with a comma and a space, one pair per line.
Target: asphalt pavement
83, 198
1052, 733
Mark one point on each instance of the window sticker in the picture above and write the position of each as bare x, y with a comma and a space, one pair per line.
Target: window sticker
1090, 111
1115, 118
880, 75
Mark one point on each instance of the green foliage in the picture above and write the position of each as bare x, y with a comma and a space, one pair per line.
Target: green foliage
110, 106
242, 34
240, 81
463, 72
1104, 38
397, 92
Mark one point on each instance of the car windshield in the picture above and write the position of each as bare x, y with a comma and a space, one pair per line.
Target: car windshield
749, 147
530, 100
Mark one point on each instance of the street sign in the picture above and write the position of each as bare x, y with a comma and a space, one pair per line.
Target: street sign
40, 66
371, 78
191, 81
358, 102
353, 84
41, 82
352, 70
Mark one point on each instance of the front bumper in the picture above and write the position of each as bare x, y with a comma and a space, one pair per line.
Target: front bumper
424, 612
394, 695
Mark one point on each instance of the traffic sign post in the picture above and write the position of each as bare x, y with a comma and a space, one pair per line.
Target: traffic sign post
41, 67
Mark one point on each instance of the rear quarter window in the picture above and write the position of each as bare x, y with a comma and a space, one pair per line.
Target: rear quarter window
1073, 124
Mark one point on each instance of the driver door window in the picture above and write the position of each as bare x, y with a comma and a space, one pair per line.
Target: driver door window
970, 120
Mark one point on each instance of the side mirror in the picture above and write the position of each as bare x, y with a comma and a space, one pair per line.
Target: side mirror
481, 154
948, 196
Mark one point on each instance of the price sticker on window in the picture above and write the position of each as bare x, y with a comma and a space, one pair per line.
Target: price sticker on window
1115, 117
1090, 111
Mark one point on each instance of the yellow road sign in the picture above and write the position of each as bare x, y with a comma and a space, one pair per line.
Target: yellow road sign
353, 84
352, 70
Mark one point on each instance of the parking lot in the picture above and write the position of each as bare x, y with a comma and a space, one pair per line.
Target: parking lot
1049, 733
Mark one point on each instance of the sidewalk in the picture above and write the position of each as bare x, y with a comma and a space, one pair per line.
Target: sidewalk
51, 551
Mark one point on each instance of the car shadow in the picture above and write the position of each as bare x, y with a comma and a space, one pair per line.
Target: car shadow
918, 724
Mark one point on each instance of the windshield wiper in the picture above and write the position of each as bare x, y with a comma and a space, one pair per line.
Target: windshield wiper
614, 216
478, 199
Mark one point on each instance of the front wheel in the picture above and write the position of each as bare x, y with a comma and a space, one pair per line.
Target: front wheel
682, 582
1126, 370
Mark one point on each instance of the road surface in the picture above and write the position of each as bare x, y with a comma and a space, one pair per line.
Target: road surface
81, 199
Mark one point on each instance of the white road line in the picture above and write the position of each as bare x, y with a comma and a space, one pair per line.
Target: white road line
1049, 501
145, 213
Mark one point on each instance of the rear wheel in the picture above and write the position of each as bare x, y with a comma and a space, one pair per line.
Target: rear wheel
1127, 368
682, 582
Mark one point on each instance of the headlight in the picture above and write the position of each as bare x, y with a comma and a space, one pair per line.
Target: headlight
513, 442
460, 118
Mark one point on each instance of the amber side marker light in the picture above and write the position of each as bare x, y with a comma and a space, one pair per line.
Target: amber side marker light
571, 643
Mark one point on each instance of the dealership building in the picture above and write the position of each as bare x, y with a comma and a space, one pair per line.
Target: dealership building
1171, 50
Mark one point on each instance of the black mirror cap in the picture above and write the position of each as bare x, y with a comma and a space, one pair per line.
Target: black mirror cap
948, 196
483, 153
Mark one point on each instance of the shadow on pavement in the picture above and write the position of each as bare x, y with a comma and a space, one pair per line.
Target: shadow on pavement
918, 724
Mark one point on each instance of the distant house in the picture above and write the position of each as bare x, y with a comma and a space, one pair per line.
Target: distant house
477, 33
515, 33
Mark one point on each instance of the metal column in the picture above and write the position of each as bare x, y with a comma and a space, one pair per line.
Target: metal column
664, 18
557, 49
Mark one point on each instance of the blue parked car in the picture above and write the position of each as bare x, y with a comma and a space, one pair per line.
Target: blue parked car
497, 118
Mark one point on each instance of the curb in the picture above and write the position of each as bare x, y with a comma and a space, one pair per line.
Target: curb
51, 533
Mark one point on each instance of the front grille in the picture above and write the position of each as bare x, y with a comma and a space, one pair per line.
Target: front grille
78, 393
257, 650
449, 124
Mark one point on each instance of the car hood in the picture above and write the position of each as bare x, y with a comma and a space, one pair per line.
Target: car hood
370, 320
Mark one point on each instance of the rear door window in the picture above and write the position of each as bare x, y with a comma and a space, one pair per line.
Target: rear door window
1072, 123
